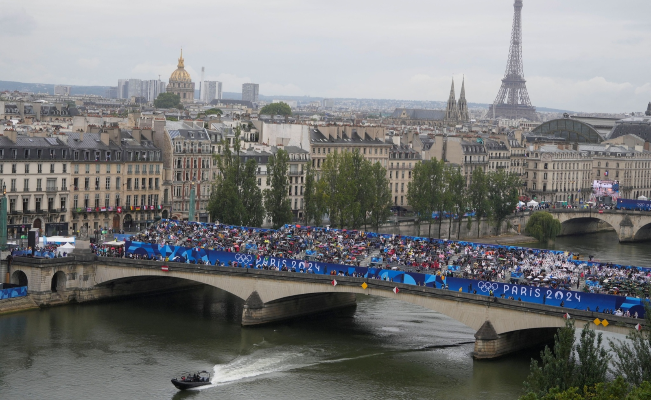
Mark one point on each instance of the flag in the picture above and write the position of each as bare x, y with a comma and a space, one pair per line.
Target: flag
638, 327
164, 268
334, 282
396, 290
566, 316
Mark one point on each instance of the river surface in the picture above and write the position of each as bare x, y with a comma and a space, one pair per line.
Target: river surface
129, 349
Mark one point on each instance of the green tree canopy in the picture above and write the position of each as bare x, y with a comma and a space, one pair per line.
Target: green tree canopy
502, 195
425, 191
313, 205
478, 197
379, 194
543, 226
277, 109
559, 368
276, 198
214, 111
235, 197
167, 100
351, 190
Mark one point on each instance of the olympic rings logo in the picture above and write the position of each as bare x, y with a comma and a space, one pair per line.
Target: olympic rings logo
243, 258
488, 286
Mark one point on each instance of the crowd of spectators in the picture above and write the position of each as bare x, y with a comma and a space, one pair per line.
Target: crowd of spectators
350, 247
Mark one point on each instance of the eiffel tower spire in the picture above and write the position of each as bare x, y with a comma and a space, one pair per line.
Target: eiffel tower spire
451, 111
462, 104
512, 101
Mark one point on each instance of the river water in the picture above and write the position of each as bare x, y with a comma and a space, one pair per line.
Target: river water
129, 349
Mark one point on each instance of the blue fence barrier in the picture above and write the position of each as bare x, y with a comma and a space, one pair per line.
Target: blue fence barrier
532, 294
44, 254
13, 292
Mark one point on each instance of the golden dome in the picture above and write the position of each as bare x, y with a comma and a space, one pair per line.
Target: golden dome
180, 75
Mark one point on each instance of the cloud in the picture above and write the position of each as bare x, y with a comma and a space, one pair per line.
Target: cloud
644, 89
89, 63
16, 22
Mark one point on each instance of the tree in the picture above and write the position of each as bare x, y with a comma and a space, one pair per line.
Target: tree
235, 197
313, 205
557, 365
276, 198
543, 226
277, 109
167, 100
251, 196
633, 360
560, 370
478, 197
212, 111
502, 195
457, 196
380, 194
424, 190
337, 188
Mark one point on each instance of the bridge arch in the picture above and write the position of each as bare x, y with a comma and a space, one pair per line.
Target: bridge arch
581, 224
19, 278
643, 233
58, 282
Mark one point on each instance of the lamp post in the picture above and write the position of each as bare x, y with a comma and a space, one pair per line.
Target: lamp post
192, 201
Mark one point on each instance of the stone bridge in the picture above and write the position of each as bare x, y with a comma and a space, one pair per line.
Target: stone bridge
502, 325
631, 226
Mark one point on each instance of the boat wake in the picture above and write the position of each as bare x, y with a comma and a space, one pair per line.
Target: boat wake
269, 361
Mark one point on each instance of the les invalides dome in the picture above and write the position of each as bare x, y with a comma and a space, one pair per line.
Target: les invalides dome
180, 83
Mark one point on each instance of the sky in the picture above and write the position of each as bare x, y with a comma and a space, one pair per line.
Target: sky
579, 55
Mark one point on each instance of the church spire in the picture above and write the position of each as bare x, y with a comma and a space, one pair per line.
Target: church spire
451, 112
181, 63
462, 105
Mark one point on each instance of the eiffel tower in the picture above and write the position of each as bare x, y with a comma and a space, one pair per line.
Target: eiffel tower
512, 101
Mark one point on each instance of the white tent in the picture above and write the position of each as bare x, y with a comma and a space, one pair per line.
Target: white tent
520, 203
66, 248
532, 203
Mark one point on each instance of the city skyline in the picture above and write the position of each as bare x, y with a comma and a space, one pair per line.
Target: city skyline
384, 53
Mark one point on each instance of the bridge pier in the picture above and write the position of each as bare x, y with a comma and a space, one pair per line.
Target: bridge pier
257, 312
488, 344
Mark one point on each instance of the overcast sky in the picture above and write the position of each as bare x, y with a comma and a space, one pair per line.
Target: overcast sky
582, 55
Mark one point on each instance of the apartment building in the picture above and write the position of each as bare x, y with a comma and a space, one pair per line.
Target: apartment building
35, 172
368, 141
192, 167
116, 179
554, 173
402, 160
298, 159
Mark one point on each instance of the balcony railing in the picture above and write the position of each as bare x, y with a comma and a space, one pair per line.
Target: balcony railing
51, 189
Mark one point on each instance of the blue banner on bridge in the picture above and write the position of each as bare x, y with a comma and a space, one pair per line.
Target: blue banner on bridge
11, 293
531, 294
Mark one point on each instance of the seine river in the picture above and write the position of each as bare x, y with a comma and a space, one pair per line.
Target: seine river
130, 349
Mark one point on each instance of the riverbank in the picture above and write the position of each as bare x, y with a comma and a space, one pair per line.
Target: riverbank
17, 304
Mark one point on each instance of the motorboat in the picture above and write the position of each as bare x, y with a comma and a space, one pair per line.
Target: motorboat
191, 381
